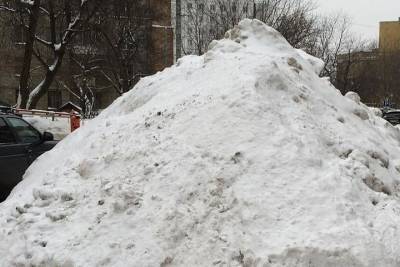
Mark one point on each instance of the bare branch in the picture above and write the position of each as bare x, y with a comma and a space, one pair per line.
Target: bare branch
5, 8
40, 59
44, 42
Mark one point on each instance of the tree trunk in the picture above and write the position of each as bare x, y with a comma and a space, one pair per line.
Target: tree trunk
23, 94
45, 84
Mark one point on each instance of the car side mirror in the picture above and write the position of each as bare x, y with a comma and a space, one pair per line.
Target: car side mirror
47, 137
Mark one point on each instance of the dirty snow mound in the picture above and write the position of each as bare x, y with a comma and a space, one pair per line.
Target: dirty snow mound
240, 157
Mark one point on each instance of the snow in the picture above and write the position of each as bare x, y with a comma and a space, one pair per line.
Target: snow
161, 26
27, 2
59, 127
240, 157
34, 93
57, 47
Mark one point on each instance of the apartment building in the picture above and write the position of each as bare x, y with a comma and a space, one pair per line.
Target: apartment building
374, 75
157, 53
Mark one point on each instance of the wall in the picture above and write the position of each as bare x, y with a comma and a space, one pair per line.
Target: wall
389, 36
160, 50
8, 78
162, 36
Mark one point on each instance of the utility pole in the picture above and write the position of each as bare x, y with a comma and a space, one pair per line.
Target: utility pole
178, 30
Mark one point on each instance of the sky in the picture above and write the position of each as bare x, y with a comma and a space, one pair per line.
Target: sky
365, 14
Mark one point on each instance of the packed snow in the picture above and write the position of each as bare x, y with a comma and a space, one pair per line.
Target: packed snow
58, 126
240, 157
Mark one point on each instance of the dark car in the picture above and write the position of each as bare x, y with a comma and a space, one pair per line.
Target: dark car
392, 116
20, 145
4, 108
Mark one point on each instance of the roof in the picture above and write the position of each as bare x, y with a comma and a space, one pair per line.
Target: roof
392, 111
70, 104
390, 21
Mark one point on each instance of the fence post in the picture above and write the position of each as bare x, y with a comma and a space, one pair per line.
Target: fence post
75, 122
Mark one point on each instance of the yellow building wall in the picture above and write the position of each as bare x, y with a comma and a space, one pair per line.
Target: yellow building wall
389, 36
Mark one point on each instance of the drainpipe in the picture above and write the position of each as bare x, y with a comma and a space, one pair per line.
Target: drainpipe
178, 30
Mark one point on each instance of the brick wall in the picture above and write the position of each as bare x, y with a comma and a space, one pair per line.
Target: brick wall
374, 75
162, 36
8, 78
160, 56
389, 36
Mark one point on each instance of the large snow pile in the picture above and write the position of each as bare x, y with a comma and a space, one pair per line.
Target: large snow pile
59, 127
241, 157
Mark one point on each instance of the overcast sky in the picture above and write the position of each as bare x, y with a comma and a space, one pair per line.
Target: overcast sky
365, 14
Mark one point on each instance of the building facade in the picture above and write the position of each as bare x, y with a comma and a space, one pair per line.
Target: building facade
198, 22
389, 36
374, 75
157, 54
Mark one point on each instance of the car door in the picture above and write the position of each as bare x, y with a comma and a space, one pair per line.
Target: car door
28, 136
38, 149
13, 158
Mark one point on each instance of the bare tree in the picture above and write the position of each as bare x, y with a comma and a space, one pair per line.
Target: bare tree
199, 31
81, 82
329, 41
294, 19
49, 27
227, 13
208, 20
121, 38
353, 55
26, 14
62, 30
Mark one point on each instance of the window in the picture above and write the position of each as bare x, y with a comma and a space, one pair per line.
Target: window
19, 35
54, 99
189, 5
26, 133
212, 8
6, 136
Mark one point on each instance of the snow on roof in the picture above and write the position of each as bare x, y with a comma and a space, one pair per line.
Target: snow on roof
240, 157
70, 104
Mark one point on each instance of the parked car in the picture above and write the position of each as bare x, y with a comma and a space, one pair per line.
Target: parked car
20, 145
4, 108
392, 116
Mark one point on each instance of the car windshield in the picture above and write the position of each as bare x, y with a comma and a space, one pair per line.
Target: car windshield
25, 132
6, 136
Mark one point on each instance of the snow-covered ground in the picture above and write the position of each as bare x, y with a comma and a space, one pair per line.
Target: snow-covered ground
240, 157
59, 127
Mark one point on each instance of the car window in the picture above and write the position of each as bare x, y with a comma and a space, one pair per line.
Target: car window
6, 136
25, 132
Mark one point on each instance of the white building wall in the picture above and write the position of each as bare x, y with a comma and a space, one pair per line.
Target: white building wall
185, 23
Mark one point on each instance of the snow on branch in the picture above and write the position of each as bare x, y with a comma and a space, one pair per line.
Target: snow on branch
44, 42
5, 8
27, 2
